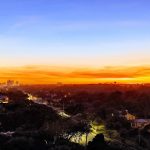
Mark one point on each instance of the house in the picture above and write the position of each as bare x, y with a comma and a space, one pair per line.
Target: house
124, 114
140, 123
3, 99
135, 123
129, 117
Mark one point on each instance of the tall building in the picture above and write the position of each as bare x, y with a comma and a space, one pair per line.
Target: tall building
10, 82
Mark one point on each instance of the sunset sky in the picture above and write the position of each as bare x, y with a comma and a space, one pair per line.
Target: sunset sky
75, 41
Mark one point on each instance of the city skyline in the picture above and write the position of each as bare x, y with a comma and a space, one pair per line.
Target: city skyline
78, 41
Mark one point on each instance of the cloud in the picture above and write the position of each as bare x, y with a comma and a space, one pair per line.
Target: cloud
114, 72
47, 74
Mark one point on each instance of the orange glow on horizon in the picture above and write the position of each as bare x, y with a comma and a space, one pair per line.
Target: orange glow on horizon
51, 75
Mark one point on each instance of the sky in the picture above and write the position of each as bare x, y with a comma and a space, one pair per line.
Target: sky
63, 37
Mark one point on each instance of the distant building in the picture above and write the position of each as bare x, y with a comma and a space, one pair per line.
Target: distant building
59, 83
10, 83
17, 83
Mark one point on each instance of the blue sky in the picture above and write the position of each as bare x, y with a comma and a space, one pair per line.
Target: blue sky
74, 32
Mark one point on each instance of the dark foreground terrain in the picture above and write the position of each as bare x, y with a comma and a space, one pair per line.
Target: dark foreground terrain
52, 119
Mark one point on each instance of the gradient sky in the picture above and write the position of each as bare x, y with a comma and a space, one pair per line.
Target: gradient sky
75, 33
